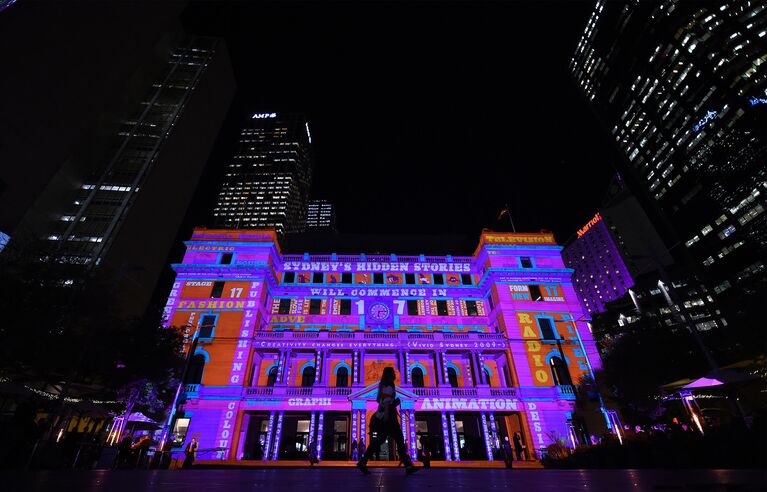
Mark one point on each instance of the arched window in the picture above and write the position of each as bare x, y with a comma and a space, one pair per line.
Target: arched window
342, 377
487, 377
196, 368
452, 377
559, 372
272, 377
416, 376
307, 376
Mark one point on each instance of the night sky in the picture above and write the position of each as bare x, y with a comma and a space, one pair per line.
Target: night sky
425, 118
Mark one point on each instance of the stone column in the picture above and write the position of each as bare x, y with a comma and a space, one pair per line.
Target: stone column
281, 367
320, 429
317, 366
446, 437
456, 451
411, 433
401, 366
355, 416
363, 425
361, 372
407, 368
405, 427
486, 435
443, 360
277, 434
326, 368
312, 422
469, 376
269, 434
481, 365
288, 366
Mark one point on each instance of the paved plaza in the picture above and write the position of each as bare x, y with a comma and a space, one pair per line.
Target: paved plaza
384, 479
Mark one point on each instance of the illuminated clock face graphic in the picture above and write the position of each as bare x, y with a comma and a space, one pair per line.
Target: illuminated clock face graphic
379, 311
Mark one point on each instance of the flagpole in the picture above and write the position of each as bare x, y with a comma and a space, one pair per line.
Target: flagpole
508, 212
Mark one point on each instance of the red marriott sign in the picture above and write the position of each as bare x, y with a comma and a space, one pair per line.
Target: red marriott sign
588, 225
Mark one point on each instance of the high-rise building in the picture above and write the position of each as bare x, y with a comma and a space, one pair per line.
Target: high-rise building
320, 216
55, 129
681, 87
617, 244
100, 221
289, 348
627, 279
268, 181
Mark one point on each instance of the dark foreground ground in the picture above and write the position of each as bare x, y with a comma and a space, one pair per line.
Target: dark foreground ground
384, 479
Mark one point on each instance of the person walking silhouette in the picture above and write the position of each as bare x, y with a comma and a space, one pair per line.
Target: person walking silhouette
385, 423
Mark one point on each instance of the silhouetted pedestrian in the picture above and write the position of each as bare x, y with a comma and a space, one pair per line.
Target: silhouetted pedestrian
190, 453
385, 423
518, 446
424, 454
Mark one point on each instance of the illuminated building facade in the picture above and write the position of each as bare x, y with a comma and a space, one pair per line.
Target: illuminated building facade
320, 216
681, 87
288, 349
268, 181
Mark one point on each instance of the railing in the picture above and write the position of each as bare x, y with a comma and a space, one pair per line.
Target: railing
301, 390
382, 335
421, 336
426, 391
305, 334
566, 390
191, 388
269, 390
338, 391
464, 391
455, 336
341, 334
503, 392
373, 334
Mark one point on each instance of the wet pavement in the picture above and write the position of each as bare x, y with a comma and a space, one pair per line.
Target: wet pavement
384, 479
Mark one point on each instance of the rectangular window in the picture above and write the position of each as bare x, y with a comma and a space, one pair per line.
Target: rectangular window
179, 431
547, 329
218, 288
466, 279
284, 306
410, 278
207, 324
441, 308
412, 307
314, 306
439, 279
471, 308
535, 292
346, 278
526, 262
378, 278
317, 278
289, 277
346, 307
226, 258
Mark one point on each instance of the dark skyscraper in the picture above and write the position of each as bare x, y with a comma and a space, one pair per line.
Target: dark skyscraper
268, 180
99, 214
681, 87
